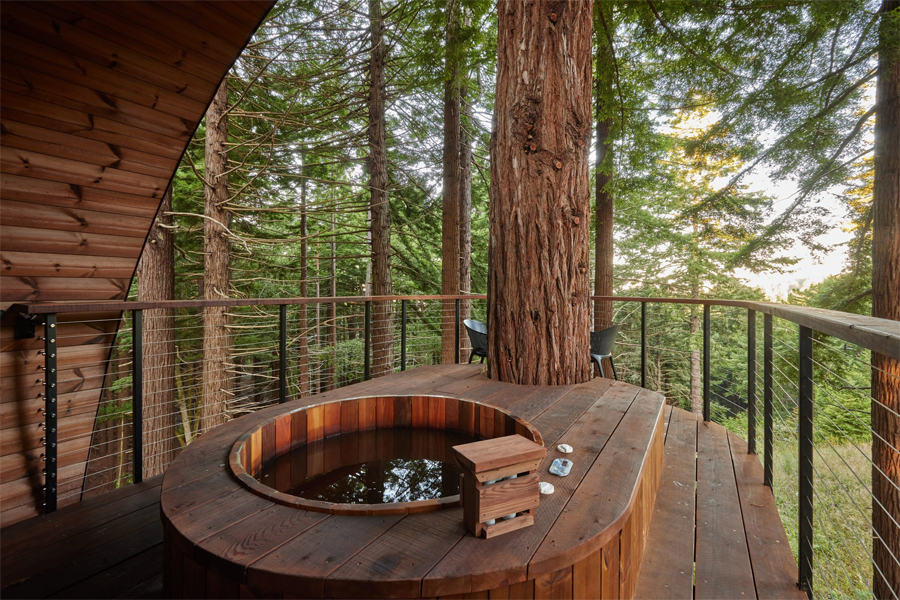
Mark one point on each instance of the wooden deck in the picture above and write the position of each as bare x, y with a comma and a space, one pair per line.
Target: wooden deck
713, 523
222, 529
715, 531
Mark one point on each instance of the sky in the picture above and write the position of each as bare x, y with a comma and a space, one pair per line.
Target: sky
810, 269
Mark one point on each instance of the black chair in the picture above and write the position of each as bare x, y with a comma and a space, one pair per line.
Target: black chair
478, 336
601, 347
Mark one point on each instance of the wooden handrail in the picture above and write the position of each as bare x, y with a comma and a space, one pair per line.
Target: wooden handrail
118, 305
878, 335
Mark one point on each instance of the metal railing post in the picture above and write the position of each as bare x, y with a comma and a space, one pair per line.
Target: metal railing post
282, 353
403, 335
768, 415
706, 351
805, 547
367, 357
50, 439
643, 344
456, 320
751, 381
137, 394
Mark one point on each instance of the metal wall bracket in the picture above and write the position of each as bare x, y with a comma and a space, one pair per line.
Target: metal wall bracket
23, 328
50, 420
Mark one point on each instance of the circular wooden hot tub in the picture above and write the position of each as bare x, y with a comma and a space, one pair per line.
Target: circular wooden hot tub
302, 427
227, 534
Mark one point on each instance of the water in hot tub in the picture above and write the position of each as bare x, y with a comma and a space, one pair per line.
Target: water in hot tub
370, 467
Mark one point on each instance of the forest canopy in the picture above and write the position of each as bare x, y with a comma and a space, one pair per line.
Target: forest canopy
703, 100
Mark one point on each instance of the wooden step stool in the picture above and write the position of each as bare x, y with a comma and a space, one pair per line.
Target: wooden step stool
492, 461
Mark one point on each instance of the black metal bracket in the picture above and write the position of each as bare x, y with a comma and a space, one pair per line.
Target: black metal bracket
403, 335
49, 426
367, 341
282, 353
23, 327
456, 335
137, 400
751, 381
706, 353
805, 547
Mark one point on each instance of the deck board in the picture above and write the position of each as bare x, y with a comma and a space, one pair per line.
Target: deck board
129, 562
721, 520
770, 551
666, 574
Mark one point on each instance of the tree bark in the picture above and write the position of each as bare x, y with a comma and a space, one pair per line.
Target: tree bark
603, 247
886, 305
303, 339
603, 223
451, 189
382, 326
216, 266
696, 392
465, 223
331, 369
538, 283
156, 281
696, 384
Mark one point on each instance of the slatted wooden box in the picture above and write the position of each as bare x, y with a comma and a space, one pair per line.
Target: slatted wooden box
499, 485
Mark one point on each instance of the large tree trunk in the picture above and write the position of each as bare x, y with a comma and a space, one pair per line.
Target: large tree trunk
886, 305
538, 283
465, 223
696, 392
303, 339
382, 326
603, 247
331, 369
603, 243
451, 189
216, 266
156, 281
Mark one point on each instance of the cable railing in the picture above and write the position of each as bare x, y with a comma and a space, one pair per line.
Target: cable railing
798, 386
164, 372
795, 382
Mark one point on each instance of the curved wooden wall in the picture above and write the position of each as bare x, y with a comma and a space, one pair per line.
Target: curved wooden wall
99, 101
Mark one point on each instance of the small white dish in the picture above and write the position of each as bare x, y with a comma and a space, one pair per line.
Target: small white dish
561, 467
547, 488
564, 448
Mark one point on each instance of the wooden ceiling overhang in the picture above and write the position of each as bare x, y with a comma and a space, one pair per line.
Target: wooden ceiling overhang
98, 102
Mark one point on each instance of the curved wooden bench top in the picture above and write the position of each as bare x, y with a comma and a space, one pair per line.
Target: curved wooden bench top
222, 525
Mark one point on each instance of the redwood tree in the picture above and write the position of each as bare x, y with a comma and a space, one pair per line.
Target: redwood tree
216, 265
156, 281
450, 243
886, 305
382, 332
538, 281
302, 310
465, 222
603, 216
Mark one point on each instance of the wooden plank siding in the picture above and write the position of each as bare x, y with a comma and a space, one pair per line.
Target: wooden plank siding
99, 102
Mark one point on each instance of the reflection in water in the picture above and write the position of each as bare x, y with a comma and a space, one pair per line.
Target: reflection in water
370, 467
